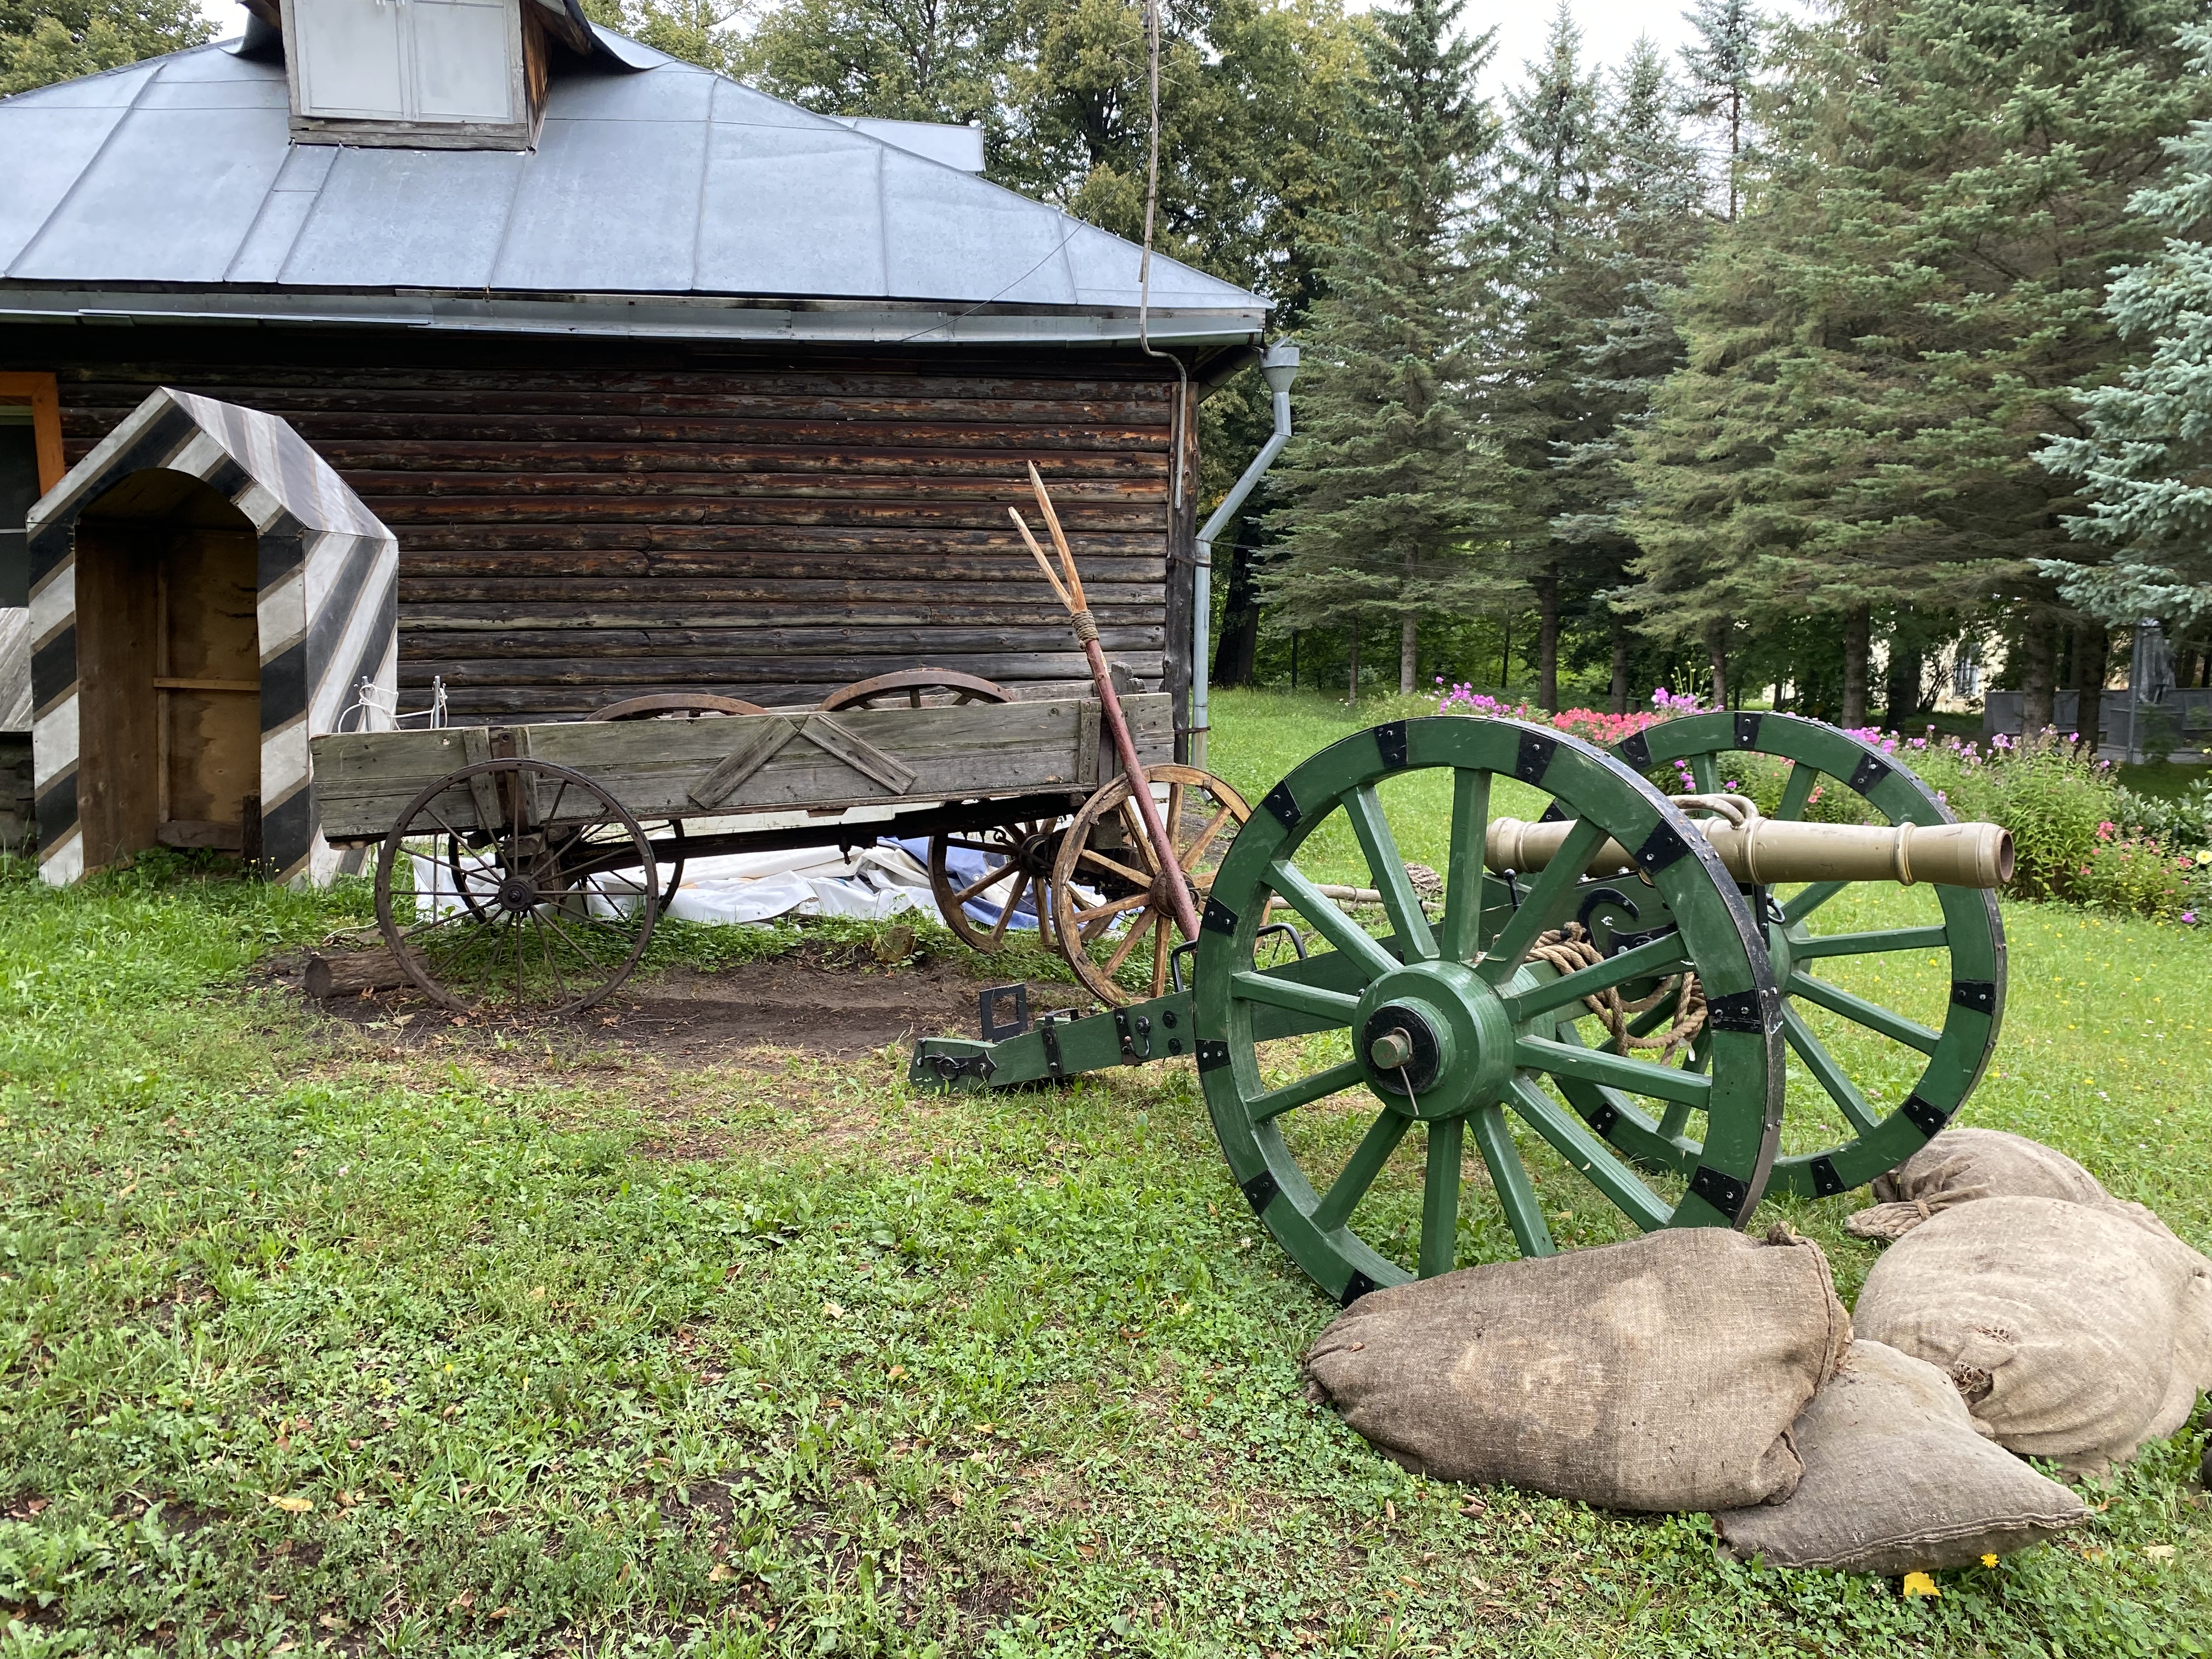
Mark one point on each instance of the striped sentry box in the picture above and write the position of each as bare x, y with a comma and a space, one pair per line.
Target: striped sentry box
327, 611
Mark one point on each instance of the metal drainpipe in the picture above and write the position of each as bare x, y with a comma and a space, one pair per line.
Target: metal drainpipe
1280, 367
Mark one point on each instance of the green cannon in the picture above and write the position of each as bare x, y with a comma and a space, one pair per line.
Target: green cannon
1626, 981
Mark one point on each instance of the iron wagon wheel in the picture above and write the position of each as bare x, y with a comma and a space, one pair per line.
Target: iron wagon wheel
668, 833
1971, 935
909, 686
1450, 1025
565, 886
1019, 854
1128, 904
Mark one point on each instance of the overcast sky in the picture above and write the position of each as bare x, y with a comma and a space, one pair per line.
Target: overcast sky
1609, 27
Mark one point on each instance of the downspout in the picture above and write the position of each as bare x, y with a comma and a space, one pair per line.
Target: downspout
1280, 365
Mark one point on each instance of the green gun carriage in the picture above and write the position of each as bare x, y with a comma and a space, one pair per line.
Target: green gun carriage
1624, 982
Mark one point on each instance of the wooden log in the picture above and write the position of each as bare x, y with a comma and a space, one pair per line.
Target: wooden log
538, 502
608, 639
349, 973
626, 378
429, 600
648, 473
460, 457
570, 670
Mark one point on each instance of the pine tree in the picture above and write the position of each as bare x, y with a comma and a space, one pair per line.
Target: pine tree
1387, 496
1876, 343
2146, 454
1722, 65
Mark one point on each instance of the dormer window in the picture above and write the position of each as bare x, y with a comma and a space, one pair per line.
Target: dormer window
419, 73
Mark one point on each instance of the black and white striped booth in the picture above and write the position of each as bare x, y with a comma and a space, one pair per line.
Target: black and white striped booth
206, 595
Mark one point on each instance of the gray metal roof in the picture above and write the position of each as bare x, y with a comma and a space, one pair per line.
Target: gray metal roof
669, 200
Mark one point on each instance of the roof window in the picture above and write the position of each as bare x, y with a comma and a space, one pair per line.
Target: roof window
418, 74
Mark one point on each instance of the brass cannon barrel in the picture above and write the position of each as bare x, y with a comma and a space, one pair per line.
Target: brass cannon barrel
1770, 850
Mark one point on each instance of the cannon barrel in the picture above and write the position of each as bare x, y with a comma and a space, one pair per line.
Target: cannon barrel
1770, 850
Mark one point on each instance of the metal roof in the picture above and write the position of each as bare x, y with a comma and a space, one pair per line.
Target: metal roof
665, 200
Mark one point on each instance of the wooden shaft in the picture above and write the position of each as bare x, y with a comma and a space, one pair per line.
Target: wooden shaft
1086, 634
1186, 913
1770, 850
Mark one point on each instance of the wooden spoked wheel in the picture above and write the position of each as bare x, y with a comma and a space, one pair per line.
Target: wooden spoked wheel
667, 834
1449, 1024
676, 706
916, 688
1109, 902
1880, 1132
544, 914
1019, 854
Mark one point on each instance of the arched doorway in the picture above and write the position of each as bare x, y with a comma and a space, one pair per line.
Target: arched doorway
168, 661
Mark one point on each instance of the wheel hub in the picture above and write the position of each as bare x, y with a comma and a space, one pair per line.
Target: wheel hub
516, 895
1434, 1040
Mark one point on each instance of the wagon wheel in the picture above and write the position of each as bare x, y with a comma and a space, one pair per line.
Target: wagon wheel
667, 834
1106, 851
1020, 855
560, 894
909, 686
1971, 933
1450, 1025
675, 706
1016, 851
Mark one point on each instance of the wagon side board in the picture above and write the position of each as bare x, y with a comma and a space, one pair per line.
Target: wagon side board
363, 780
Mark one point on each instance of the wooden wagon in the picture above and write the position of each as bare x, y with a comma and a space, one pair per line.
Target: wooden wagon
526, 865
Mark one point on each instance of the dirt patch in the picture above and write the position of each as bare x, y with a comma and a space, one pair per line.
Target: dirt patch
817, 1000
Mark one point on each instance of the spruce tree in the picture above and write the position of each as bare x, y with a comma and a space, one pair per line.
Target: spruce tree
2146, 456
1547, 211
1876, 346
1649, 224
1722, 65
1385, 476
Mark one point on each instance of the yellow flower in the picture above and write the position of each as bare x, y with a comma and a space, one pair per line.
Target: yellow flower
1989, 1560
1919, 1583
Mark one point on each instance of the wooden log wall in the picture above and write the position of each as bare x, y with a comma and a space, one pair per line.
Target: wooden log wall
580, 523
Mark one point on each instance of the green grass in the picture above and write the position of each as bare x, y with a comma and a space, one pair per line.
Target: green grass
875, 1373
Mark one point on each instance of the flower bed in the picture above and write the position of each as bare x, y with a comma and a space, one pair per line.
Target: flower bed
2078, 835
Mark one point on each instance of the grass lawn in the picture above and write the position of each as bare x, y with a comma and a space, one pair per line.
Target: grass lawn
396, 1336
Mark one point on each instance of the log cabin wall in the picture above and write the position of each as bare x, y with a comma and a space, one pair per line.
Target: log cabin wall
580, 522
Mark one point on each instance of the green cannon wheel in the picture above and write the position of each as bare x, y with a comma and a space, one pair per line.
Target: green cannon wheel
1451, 1025
1971, 933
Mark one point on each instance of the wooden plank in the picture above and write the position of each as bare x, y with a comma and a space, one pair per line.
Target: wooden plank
755, 739
973, 750
836, 737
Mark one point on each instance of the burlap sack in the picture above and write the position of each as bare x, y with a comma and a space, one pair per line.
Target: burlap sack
1959, 1166
1897, 1480
1659, 1374
2072, 1333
